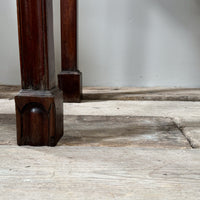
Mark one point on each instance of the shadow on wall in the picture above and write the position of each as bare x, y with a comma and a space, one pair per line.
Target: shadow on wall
139, 42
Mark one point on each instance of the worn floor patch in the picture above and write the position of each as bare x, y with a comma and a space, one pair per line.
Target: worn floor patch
156, 132
119, 131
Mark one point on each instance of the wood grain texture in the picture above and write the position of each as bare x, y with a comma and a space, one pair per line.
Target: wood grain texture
69, 34
70, 80
35, 22
71, 85
39, 105
39, 117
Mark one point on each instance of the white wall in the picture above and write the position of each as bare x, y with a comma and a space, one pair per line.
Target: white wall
122, 42
9, 57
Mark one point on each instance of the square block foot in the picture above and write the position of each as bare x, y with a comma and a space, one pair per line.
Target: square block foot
70, 84
39, 117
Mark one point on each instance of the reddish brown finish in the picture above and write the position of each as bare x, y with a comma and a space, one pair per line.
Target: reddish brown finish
39, 106
71, 84
36, 44
39, 117
69, 34
70, 78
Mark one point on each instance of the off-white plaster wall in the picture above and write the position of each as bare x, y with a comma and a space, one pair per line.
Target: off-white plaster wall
121, 42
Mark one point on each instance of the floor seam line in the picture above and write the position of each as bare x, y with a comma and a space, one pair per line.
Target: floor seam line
182, 132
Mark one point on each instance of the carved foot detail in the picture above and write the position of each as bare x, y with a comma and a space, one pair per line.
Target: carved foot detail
39, 116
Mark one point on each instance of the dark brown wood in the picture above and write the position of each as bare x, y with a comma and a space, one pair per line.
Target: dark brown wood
36, 44
69, 34
39, 106
70, 83
70, 78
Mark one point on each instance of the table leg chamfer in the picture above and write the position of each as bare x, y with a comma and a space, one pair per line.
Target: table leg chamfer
39, 105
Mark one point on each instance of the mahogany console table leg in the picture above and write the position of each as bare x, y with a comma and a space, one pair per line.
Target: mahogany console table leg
39, 105
70, 77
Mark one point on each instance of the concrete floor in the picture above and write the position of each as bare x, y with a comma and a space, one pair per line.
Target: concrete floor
111, 149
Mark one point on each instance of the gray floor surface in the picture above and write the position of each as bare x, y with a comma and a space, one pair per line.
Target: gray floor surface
112, 148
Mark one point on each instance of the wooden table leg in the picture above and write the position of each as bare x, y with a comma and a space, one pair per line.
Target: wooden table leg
70, 77
39, 105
